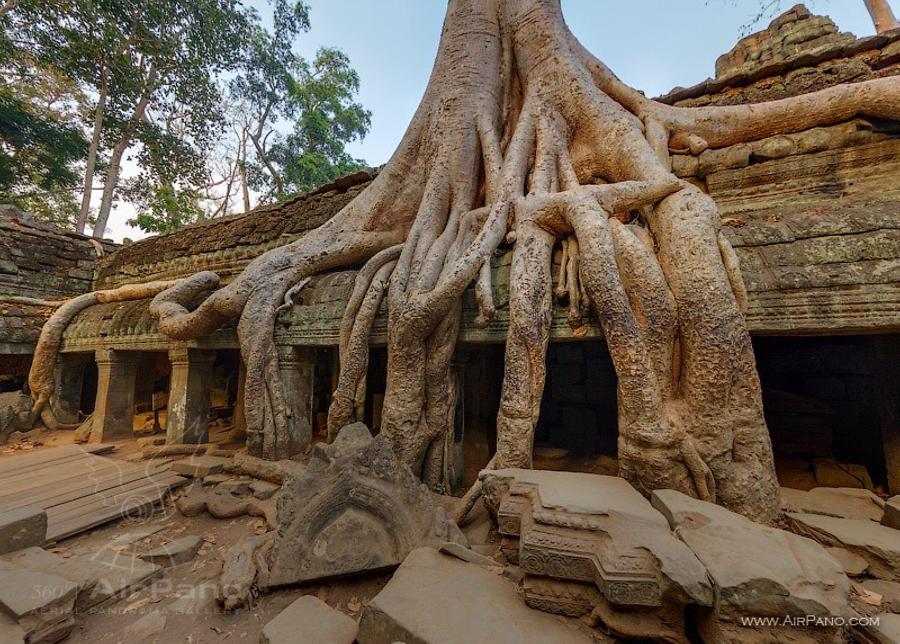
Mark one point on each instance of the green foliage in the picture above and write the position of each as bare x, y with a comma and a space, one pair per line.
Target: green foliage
163, 67
37, 159
164, 208
326, 119
314, 100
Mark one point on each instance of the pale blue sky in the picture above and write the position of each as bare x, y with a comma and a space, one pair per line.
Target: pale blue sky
653, 45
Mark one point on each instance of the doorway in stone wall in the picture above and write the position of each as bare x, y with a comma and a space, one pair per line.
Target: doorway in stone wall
152, 379
826, 406
577, 429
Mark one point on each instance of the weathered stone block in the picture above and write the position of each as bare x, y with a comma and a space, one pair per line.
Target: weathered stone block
175, 552
776, 572
437, 598
847, 503
588, 542
891, 516
877, 544
311, 621
355, 508
22, 528
199, 466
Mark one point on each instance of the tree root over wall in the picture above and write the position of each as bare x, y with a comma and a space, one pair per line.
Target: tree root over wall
524, 138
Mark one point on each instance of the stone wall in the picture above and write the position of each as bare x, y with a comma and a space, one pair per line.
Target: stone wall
798, 53
41, 261
227, 244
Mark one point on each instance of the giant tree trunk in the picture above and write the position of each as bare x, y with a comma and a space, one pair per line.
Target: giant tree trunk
523, 136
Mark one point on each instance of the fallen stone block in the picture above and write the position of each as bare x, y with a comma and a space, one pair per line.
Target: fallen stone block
40, 603
853, 565
891, 516
884, 629
591, 546
756, 570
434, 598
199, 466
215, 479
355, 508
311, 621
877, 544
846, 503
263, 489
22, 528
174, 552
80, 572
119, 575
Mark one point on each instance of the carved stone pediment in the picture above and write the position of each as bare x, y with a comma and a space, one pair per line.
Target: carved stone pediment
355, 508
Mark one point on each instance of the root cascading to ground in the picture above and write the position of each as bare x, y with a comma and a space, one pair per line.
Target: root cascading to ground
523, 136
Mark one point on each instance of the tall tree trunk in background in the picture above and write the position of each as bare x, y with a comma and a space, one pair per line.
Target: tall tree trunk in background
264, 157
92, 153
523, 138
882, 15
115, 159
245, 189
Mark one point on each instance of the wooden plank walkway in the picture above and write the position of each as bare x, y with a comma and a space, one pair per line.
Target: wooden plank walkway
81, 489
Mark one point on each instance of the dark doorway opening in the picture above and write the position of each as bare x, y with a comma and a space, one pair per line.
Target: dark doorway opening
823, 406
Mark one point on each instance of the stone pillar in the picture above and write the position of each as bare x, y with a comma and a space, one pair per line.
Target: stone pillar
66, 400
298, 370
189, 387
114, 409
239, 420
887, 357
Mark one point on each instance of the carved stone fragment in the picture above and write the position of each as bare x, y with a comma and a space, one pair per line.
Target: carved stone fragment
355, 508
591, 545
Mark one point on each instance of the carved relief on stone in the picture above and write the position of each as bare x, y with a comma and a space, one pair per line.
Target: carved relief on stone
355, 508
592, 545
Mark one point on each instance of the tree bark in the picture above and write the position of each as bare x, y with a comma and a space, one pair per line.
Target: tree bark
115, 160
92, 153
882, 15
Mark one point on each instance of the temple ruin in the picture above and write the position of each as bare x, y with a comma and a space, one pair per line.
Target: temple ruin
813, 217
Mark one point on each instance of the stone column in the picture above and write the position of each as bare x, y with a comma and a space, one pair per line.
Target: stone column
298, 370
66, 400
239, 419
887, 357
114, 409
189, 387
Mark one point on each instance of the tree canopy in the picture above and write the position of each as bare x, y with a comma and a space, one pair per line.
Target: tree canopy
196, 99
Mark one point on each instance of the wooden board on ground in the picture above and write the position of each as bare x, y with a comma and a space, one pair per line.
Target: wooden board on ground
80, 489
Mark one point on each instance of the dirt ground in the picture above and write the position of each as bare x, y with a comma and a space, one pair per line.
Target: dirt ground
185, 594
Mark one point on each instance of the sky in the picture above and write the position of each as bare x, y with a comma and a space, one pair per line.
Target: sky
653, 45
